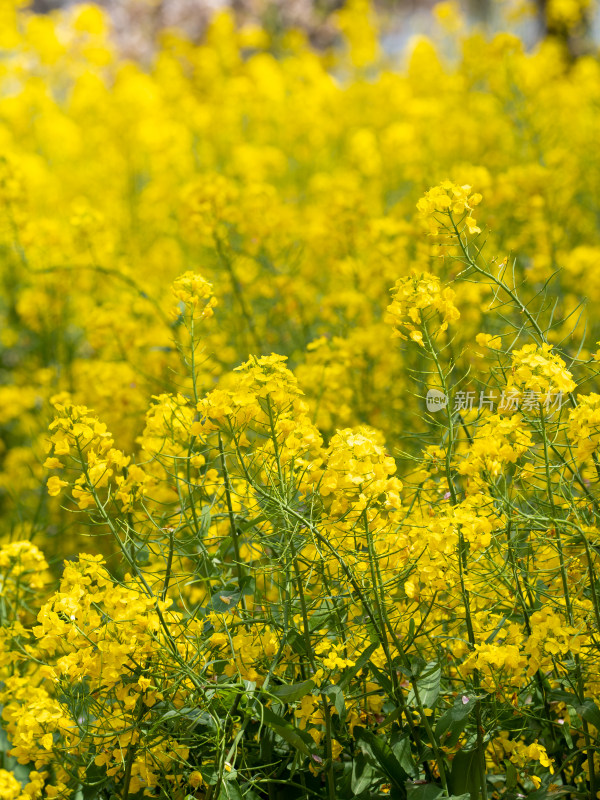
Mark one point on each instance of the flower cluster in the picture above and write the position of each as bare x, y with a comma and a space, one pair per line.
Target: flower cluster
456, 202
535, 368
415, 301
584, 426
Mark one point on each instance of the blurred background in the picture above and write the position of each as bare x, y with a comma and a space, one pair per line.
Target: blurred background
137, 23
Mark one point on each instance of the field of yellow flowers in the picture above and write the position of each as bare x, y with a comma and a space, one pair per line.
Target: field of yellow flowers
299, 422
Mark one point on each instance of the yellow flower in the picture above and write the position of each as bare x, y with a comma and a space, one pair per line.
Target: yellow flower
336, 748
196, 780
10, 788
55, 485
488, 340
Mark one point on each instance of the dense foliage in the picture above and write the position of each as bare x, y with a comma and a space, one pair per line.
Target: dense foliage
299, 426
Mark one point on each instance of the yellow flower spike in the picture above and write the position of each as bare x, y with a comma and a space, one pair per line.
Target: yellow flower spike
449, 199
420, 298
536, 369
195, 293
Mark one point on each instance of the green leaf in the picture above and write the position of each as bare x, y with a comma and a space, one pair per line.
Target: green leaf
590, 712
225, 600
496, 631
210, 775
426, 791
230, 790
320, 618
250, 523
224, 548
292, 692
336, 694
567, 697
299, 740
205, 521
363, 774
248, 585
382, 678
453, 721
415, 667
567, 734
464, 777
431, 791
402, 751
428, 685
141, 555
511, 775
391, 717
95, 778
384, 755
